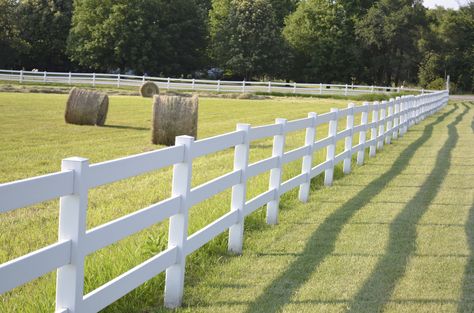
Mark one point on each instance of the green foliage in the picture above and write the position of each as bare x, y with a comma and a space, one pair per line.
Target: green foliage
154, 36
245, 34
318, 31
11, 42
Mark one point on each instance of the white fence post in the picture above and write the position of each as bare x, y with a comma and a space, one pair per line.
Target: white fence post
372, 89
69, 79
269, 86
382, 121
396, 119
168, 82
93, 80
388, 137
218, 85
363, 134
178, 225
239, 192
275, 173
403, 109
331, 148
118, 80
21, 76
294, 88
373, 131
308, 159
143, 79
345, 91
243, 86
320, 88
45, 77
72, 226
348, 139
193, 84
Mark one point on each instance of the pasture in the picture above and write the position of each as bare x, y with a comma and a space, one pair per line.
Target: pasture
35, 139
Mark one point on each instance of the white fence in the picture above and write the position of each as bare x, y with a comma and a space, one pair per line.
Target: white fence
390, 119
119, 80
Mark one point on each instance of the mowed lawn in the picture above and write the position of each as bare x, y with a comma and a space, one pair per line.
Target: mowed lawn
34, 138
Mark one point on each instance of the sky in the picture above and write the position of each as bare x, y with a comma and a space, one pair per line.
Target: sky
452, 4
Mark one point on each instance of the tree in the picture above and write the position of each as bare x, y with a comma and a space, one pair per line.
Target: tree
245, 37
44, 25
389, 32
319, 30
153, 36
11, 44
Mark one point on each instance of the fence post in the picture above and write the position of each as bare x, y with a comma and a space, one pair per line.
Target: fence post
403, 108
320, 88
143, 79
269, 87
294, 88
72, 226
218, 85
275, 173
388, 137
308, 159
396, 119
331, 148
93, 80
372, 89
118, 80
69, 79
44, 76
243, 86
168, 82
373, 131
21, 76
178, 225
193, 83
345, 91
348, 139
363, 134
239, 192
382, 121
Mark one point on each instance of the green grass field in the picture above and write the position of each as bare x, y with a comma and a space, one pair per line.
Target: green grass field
35, 139
395, 234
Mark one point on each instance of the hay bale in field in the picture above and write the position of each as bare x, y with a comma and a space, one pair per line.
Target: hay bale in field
149, 89
85, 107
174, 116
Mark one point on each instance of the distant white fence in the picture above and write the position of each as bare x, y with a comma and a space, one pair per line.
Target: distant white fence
390, 119
119, 80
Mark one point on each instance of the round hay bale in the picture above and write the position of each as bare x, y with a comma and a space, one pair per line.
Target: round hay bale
174, 116
149, 89
85, 107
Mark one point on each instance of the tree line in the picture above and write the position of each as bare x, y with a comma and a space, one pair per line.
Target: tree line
383, 42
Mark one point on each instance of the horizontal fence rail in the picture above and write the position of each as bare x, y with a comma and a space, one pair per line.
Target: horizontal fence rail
121, 80
390, 120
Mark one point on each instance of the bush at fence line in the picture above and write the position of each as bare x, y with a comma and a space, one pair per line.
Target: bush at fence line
85, 107
149, 89
174, 116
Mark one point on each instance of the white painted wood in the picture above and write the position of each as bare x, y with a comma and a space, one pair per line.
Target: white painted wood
213, 187
259, 201
373, 131
292, 183
322, 143
264, 131
275, 173
22, 193
296, 154
382, 121
113, 231
343, 134
331, 148
178, 225
115, 170
310, 138
33, 265
262, 166
348, 139
389, 135
396, 119
320, 168
217, 143
296, 125
363, 133
325, 118
239, 191
72, 227
203, 236
123, 284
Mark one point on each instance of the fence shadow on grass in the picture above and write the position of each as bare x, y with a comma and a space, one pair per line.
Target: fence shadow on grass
322, 242
126, 127
378, 288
